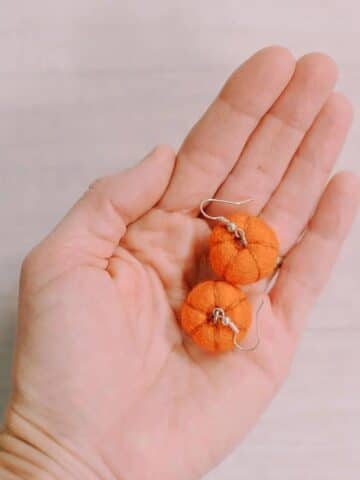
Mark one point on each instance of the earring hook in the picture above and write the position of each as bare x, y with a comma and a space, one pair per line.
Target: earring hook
256, 344
220, 218
231, 226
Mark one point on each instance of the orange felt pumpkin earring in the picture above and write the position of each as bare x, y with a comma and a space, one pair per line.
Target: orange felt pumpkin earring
242, 248
217, 316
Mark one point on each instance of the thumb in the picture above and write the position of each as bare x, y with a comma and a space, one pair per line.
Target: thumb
113, 202
92, 229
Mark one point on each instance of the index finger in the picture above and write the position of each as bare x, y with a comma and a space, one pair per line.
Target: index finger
214, 144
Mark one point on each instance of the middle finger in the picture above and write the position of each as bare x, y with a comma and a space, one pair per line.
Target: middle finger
273, 144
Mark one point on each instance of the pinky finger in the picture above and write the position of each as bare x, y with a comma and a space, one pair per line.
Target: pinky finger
308, 266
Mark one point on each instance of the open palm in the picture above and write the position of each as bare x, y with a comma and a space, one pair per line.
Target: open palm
103, 375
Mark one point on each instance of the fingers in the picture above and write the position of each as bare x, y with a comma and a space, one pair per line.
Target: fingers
291, 206
215, 143
274, 142
307, 267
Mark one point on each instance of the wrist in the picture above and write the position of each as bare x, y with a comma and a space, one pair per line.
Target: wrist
29, 452
21, 459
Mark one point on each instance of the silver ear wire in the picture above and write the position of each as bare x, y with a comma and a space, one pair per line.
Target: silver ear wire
256, 344
231, 227
220, 218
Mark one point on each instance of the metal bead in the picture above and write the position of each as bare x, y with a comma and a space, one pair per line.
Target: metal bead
231, 227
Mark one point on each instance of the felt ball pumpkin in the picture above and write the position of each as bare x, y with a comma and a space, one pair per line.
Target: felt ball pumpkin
243, 260
198, 315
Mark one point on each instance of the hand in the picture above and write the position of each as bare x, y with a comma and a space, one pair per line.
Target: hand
105, 384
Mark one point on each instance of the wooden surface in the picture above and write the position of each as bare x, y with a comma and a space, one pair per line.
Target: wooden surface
87, 87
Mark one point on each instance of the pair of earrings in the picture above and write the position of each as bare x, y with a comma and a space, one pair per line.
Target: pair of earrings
243, 249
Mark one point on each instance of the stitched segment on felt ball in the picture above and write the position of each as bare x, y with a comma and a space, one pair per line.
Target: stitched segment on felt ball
238, 264
196, 315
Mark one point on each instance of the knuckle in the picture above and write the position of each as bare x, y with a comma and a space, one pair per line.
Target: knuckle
98, 184
30, 260
26, 269
27, 263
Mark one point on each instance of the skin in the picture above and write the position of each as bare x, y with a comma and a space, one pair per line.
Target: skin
105, 385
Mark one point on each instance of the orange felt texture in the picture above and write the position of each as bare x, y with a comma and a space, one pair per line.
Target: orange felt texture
195, 315
237, 264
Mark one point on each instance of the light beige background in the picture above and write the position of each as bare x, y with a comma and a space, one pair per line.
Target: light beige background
87, 87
